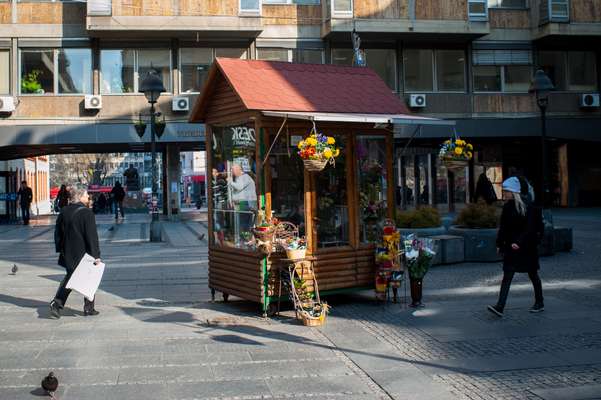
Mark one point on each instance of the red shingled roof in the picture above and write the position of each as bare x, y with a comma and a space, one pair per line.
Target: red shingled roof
281, 86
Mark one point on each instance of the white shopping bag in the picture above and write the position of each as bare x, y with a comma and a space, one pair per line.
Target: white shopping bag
86, 277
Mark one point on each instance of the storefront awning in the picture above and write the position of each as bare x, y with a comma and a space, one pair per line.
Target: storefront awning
398, 119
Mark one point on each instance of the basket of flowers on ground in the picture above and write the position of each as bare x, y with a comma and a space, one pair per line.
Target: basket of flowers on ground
317, 150
455, 153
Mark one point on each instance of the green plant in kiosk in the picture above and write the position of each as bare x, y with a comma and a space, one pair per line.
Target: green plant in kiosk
422, 217
30, 82
478, 216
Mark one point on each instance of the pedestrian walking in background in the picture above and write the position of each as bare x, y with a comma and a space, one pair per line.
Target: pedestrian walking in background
485, 190
118, 195
520, 232
75, 234
25, 198
62, 197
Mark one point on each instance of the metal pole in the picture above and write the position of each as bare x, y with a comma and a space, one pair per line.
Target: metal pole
155, 224
545, 173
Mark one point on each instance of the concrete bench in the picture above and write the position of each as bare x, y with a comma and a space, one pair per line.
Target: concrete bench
449, 249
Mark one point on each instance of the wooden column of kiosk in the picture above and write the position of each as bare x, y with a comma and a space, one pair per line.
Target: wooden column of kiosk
241, 129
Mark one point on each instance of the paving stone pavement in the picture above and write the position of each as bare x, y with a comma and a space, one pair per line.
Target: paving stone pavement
159, 336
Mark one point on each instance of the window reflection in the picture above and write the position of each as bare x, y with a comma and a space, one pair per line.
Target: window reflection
371, 177
332, 205
233, 180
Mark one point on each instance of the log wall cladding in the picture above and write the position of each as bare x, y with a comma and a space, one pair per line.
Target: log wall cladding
5, 13
504, 103
437, 9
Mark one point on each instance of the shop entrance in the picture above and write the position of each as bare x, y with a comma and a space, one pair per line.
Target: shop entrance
8, 196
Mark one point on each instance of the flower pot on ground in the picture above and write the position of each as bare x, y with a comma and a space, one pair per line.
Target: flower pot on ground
423, 221
477, 224
416, 292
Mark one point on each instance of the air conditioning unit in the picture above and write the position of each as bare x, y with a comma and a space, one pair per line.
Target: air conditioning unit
589, 100
7, 104
180, 104
417, 100
93, 102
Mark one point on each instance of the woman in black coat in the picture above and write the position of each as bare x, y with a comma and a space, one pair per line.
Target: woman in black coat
519, 234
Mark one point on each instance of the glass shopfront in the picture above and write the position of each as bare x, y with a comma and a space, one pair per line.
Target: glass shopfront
233, 183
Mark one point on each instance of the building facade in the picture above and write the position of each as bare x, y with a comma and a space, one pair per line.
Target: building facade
34, 170
467, 60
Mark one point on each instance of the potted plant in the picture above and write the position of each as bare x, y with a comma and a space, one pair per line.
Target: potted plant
423, 221
31, 84
418, 255
140, 126
296, 248
317, 150
455, 153
477, 224
159, 127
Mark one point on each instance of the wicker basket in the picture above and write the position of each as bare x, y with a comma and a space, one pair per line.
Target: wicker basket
314, 321
264, 235
455, 164
296, 254
315, 165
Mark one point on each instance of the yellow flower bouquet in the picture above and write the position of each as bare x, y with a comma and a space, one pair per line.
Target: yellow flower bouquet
456, 152
317, 150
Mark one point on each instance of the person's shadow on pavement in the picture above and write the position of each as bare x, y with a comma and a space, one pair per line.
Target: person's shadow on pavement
42, 307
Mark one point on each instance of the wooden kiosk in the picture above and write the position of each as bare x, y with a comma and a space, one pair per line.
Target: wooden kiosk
255, 113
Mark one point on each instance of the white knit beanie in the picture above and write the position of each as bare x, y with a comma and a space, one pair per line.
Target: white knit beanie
512, 184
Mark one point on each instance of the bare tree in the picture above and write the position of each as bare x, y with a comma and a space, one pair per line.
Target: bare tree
86, 169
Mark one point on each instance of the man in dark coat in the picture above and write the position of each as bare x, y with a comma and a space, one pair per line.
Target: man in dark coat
118, 194
75, 235
25, 198
485, 190
518, 238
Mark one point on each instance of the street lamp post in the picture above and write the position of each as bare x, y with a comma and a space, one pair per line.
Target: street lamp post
152, 87
541, 86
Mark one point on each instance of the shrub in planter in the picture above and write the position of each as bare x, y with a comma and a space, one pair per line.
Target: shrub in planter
477, 224
478, 216
422, 217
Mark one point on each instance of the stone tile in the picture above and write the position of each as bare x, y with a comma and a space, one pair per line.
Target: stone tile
227, 389
588, 392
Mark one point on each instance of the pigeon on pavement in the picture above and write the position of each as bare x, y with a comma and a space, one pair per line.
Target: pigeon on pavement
14, 269
50, 384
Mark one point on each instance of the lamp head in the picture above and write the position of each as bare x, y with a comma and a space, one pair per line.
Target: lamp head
152, 86
541, 85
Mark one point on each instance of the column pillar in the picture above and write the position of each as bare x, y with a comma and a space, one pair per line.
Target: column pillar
173, 178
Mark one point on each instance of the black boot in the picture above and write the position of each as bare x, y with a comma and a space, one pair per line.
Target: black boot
88, 308
55, 309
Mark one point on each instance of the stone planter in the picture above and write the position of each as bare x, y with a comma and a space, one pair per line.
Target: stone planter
423, 232
479, 244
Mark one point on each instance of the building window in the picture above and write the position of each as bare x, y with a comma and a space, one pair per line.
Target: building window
582, 71
158, 60
4, 72
382, 61
271, 54
450, 70
559, 9
477, 10
428, 70
252, 7
194, 68
342, 8
74, 71
122, 71
308, 56
507, 4
299, 2
572, 70
554, 65
117, 70
37, 72
502, 70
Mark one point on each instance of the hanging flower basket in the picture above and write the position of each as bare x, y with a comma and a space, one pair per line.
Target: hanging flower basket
456, 153
264, 234
454, 164
317, 150
315, 165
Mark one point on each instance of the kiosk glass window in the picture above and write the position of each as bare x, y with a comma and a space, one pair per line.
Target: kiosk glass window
370, 155
287, 182
233, 182
332, 205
